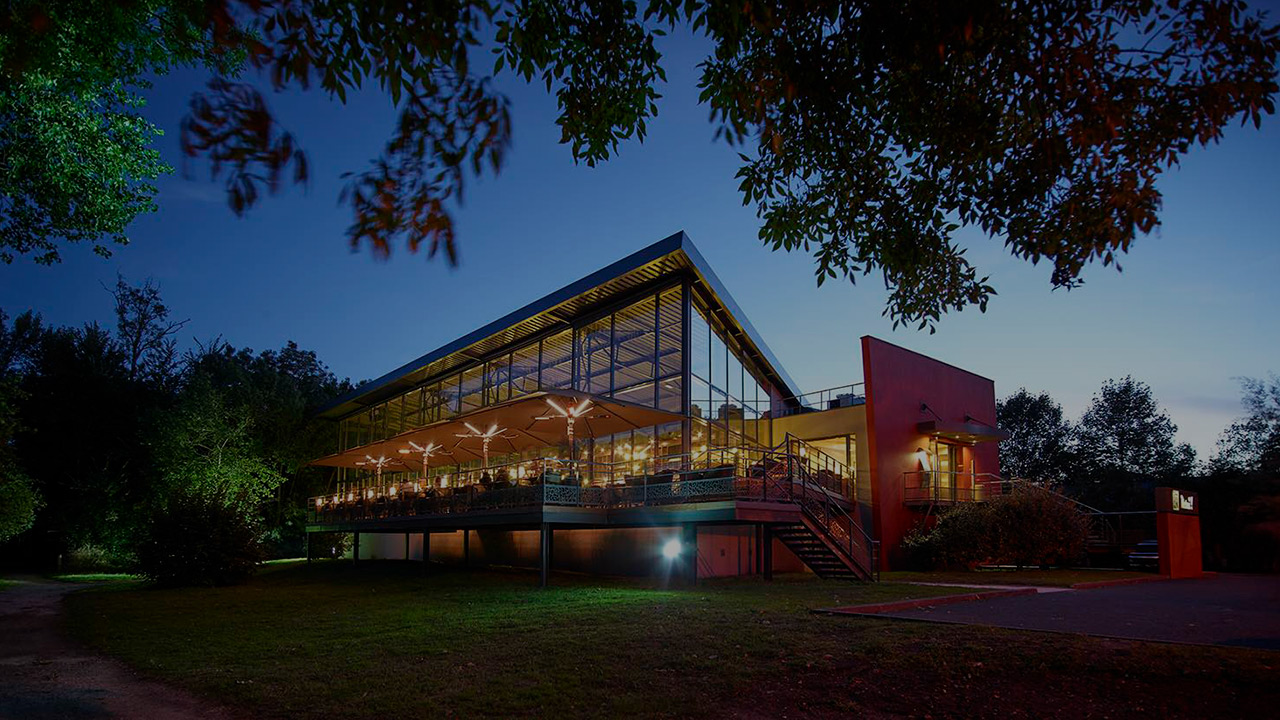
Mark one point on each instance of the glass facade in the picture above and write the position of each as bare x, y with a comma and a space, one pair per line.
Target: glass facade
634, 354
728, 404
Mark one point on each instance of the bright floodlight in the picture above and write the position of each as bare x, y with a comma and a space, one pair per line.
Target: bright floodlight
671, 549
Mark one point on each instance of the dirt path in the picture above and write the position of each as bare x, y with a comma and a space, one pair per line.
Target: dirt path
45, 675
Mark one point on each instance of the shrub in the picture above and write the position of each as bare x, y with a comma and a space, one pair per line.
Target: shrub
330, 544
1030, 526
1036, 527
89, 558
198, 539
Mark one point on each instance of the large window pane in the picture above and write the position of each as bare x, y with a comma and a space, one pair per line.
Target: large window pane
472, 389
670, 341
733, 388
670, 441
634, 344
449, 394
700, 346
395, 416
413, 409
557, 361
496, 385
639, 394
699, 398
524, 370
670, 395
595, 357
719, 369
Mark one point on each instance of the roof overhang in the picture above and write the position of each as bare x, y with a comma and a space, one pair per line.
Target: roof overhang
963, 432
524, 423
646, 269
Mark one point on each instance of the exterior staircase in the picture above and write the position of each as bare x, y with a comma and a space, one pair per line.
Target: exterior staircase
816, 553
829, 539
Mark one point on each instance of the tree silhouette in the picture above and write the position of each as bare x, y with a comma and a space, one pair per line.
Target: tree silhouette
870, 132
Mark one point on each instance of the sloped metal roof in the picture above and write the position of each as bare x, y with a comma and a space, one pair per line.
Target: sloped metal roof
667, 258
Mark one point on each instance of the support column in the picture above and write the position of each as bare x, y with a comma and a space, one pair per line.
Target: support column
355, 549
544, 555
767, 555
690, 541
466, 548
406, 546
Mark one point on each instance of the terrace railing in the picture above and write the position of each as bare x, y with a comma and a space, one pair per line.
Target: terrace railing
828, 399
935, 487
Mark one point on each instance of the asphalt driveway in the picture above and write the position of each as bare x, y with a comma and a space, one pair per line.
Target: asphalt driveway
1233, 610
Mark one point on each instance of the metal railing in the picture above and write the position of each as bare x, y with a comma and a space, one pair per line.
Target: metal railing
944, 487
828, 399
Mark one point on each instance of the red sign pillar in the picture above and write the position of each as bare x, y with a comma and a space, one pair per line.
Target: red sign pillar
1178, 532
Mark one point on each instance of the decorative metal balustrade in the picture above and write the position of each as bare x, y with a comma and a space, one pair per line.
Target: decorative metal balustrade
793, 472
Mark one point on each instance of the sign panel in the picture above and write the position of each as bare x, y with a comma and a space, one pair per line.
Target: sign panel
1177, 501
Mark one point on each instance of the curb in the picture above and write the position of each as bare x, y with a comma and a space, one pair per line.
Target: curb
1113, 583
895, 606
1136, 581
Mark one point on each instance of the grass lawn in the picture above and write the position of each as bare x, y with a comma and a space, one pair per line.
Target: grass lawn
1054, 578
6, 584
383, 641
93, 577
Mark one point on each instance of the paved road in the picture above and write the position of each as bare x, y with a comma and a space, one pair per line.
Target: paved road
45, 675
1236, 610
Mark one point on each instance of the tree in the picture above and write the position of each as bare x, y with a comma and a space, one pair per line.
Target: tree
206, 447
145, 331
871, 131
1240, 495
1252, 443
1040, 437
1125, 446
19, 500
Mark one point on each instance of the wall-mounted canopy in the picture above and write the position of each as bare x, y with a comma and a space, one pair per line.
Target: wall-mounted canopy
968, 432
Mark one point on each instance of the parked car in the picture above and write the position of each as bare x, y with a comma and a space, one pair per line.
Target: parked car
1144, 556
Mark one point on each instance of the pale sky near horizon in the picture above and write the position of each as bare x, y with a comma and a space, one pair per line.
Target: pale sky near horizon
1192, 310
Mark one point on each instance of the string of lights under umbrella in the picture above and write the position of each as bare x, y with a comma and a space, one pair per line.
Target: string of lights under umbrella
427, 451
378, 463
570, 416
486, 437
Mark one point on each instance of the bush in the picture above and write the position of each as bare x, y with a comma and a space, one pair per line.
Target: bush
330, 544
198, 539
1036, 527
89, 558
1028, 527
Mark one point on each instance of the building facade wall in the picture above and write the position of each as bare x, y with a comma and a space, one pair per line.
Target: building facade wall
899, 385
723, 550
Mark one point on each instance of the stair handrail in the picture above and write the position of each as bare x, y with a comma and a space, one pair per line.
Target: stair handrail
867, 560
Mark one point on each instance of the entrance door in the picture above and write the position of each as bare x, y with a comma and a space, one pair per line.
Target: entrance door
948, 465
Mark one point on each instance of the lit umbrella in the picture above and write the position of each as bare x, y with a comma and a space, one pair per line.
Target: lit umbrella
485, 437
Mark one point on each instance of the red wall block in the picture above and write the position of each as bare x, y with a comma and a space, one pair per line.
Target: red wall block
898, 381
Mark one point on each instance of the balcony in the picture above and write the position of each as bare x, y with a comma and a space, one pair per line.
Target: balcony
934, 487
716, 474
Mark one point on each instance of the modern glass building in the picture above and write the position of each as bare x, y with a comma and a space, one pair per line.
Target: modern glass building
632, 408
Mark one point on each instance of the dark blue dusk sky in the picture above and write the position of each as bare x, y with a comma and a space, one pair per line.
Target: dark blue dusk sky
1193, 309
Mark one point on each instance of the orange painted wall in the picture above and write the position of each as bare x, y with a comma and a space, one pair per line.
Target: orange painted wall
898, 381
1179, 538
